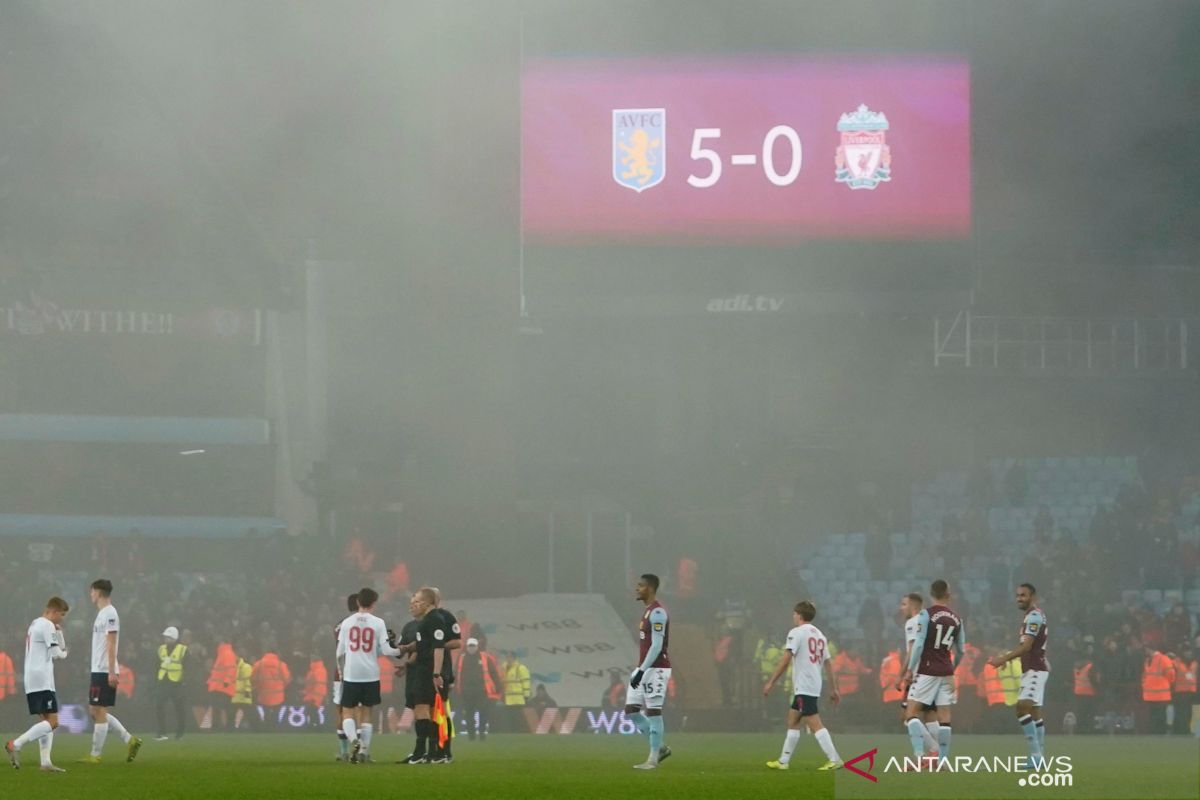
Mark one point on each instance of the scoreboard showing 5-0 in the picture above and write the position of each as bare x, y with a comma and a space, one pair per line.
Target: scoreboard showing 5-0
745, 150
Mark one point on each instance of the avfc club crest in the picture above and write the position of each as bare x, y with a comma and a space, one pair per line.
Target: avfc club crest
639, 147
863, 160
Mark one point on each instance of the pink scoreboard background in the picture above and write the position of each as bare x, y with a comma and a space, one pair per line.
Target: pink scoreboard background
752, 150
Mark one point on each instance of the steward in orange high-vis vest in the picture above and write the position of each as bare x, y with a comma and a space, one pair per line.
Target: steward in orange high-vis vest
965, 672
1084, 692
271, 677
222, 684
387, 673
990, 687
847, 667
1158, 676
316, 684
8, 678
889, 676
1083, 680
128, 682
1183, 696
222, 679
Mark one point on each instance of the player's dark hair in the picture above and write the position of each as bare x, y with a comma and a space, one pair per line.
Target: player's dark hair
103, 586
939, 589
807, 610
1028, 586
57, 604
367, 598
651, 580
352, 602
916, 598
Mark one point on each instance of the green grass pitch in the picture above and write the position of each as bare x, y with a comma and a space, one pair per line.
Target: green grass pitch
581, 767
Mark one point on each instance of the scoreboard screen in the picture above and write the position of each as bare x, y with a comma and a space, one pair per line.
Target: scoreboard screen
745, 150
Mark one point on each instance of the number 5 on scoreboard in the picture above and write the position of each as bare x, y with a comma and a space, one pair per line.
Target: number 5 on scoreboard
698, 153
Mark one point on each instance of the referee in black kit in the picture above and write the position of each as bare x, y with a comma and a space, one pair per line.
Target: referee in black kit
430, 670
445, 624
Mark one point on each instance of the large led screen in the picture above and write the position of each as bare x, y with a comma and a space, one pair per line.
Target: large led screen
745, 150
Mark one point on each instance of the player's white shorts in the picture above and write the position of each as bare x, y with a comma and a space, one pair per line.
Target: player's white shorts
652, 691
1033, 686
337, 693
930, 689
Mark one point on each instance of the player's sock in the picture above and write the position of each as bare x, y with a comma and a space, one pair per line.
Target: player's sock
656, 736
115, 726
422, 747
33, 734
933, 727
789, 745
917, 734
640, 722
343, 744
99, 734
350, 729
1041, 736
1030, 730
45, 744
944, 741
826, 741
365, 732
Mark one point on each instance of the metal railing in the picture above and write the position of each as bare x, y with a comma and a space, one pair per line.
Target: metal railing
1061, 344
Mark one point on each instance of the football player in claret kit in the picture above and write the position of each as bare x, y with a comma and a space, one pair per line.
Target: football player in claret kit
648, 682
102, 695
362, 639
930, 671
911, 606
339, 713
1035, 671
807, 651
43, 646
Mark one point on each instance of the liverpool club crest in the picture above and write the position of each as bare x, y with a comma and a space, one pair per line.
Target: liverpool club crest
639, 147
863, 158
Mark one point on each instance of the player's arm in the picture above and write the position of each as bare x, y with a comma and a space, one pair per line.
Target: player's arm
57, 644
783, 664
1028, 635
110, 643
383, 643
658, 628
1025, 645
454, 640
960, 644
914, 658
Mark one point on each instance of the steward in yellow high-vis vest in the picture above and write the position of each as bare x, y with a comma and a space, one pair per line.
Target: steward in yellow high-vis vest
169, 688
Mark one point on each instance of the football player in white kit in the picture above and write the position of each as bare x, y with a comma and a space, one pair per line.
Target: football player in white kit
44, 645
807, 651
105, 676
362, 639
